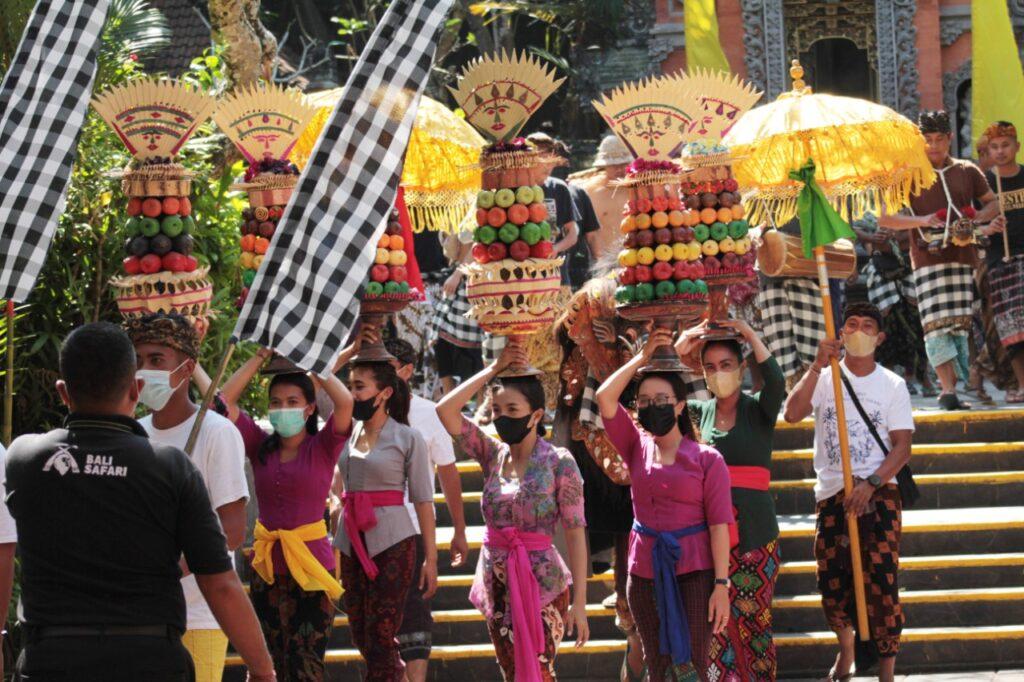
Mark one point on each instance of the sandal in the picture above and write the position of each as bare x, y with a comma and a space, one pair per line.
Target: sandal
1015, 397
951, 402
832, 677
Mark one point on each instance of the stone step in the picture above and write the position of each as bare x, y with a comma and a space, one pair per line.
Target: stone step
798, 577
926, 532
794, 496
805, 654
793, 613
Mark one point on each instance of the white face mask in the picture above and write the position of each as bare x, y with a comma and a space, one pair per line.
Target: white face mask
156, 390
859, 345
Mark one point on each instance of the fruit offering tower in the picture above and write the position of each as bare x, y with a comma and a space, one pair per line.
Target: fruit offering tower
263, 122
154, 119
661, 273
394, 274
515, 280
711, 195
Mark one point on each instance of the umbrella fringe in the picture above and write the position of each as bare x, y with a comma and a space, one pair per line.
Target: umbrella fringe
439, 211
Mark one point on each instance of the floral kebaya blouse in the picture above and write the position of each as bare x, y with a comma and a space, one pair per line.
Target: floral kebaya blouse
550, 491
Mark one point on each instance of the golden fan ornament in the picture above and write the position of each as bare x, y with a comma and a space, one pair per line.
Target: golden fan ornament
154, 118
726, 98
264, 121
653, 117
500, 92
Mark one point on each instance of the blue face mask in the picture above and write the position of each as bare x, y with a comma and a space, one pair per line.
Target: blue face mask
288, 421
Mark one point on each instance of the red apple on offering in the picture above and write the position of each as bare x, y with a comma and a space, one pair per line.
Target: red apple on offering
134, 206
379, 273
681, 270
662, 270
675, 203
712, 264
627, 276
643, 273
497, 251
131, 265
191, 264
519, 250
542, 249
480, 253
398, 273
184, 206
630, 241
150, 263
152, 207
697, 270
173, 261
644, 238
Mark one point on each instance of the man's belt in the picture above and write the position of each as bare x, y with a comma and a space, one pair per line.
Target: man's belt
51, 631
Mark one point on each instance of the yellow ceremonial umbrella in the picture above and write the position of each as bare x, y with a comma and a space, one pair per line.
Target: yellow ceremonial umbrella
441, 175
823, 157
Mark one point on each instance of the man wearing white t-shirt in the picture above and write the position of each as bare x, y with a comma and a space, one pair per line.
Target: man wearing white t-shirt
8, 542
875, 499
167, 347
414, 636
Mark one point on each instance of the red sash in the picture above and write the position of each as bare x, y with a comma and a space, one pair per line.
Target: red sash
751, 478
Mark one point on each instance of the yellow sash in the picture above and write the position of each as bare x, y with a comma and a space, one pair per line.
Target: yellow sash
305, 568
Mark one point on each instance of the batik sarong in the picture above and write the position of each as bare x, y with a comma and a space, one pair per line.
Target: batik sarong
880, 530
745, 652
1006, 289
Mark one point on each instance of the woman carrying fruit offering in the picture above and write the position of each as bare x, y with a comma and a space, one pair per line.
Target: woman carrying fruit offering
522, 585
741, 427
678, 585
292, 473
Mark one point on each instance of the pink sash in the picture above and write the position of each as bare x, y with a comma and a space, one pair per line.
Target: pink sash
357, 515
523, 596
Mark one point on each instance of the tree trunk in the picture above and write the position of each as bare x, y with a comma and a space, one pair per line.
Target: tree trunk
249, 48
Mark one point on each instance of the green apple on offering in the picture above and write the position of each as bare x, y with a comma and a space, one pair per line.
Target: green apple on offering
524, 195
508, 233
485, 199
530, 233
545, 231
189, 224
172, 226
133, 228
485, 234
150, 227
504, 198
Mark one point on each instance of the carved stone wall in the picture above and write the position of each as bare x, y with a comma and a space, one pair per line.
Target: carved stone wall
898, 78
951, 82
808, 21
764, 40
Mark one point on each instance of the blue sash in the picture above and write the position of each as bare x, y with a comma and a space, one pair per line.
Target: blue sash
674, 629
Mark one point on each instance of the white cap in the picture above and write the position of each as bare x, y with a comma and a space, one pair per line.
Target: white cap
612, 152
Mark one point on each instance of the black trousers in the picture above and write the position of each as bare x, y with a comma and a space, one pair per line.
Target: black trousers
104, 659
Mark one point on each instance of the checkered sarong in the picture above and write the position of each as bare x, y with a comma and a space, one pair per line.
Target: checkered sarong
885, 293
793, 321
453, 325
306, 294
944, 297
43, 101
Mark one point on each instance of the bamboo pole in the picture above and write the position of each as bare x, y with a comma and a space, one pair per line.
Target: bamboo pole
9, 379
844, 449
211, 392
1002, 212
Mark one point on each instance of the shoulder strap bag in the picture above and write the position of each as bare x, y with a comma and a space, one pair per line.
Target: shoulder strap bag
905, 477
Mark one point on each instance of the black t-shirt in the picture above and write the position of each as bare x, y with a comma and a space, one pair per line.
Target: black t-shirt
561, 211
429, 253
579, 256
1013, 204
103, 517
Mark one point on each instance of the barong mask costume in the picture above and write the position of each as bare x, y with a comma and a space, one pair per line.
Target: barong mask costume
154, 119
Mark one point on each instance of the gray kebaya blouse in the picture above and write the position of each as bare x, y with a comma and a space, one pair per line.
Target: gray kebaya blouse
398, 459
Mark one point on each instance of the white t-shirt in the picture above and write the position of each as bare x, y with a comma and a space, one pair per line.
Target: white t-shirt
423, 417
8, 531
886, 401
219, 455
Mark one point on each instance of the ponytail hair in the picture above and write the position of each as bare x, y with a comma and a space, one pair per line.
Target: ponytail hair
304, 384
530, 388
385, 376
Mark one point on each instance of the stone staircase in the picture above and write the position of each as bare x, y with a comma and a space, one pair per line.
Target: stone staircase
962, 569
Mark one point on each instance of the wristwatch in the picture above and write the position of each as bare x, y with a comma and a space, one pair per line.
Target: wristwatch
722, 581
875, 481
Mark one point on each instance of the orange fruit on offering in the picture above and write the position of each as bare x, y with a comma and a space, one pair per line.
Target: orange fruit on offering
643, 221
659, 219
538, 213
737, 211
396, 242
724, 215
384, 241
628, 224
676, 219
708, 216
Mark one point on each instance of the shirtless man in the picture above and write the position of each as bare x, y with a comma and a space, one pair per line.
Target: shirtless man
611, 163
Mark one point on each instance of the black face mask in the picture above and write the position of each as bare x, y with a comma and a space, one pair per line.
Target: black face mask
512, 430
364, 409
657, 419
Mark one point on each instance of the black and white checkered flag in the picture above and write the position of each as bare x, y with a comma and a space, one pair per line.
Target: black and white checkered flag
305, 297
43, 101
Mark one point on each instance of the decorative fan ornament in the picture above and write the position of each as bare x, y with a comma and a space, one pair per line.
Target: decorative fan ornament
500, 92
264, 121
726, 97
153, 118
654, 117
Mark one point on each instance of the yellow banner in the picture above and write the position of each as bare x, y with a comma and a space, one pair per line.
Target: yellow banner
703, 48
997, 80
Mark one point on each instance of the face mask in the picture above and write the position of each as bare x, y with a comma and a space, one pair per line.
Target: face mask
288, 421
512, 430
724, 384
657, 419
364, 409
157, 391
859, 345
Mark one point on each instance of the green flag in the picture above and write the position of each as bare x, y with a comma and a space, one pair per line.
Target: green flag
820, 224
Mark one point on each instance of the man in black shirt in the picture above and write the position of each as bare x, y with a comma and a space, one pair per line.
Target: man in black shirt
104, 517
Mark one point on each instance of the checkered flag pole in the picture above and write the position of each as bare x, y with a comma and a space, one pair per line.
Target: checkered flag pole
306, 294
43, 101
